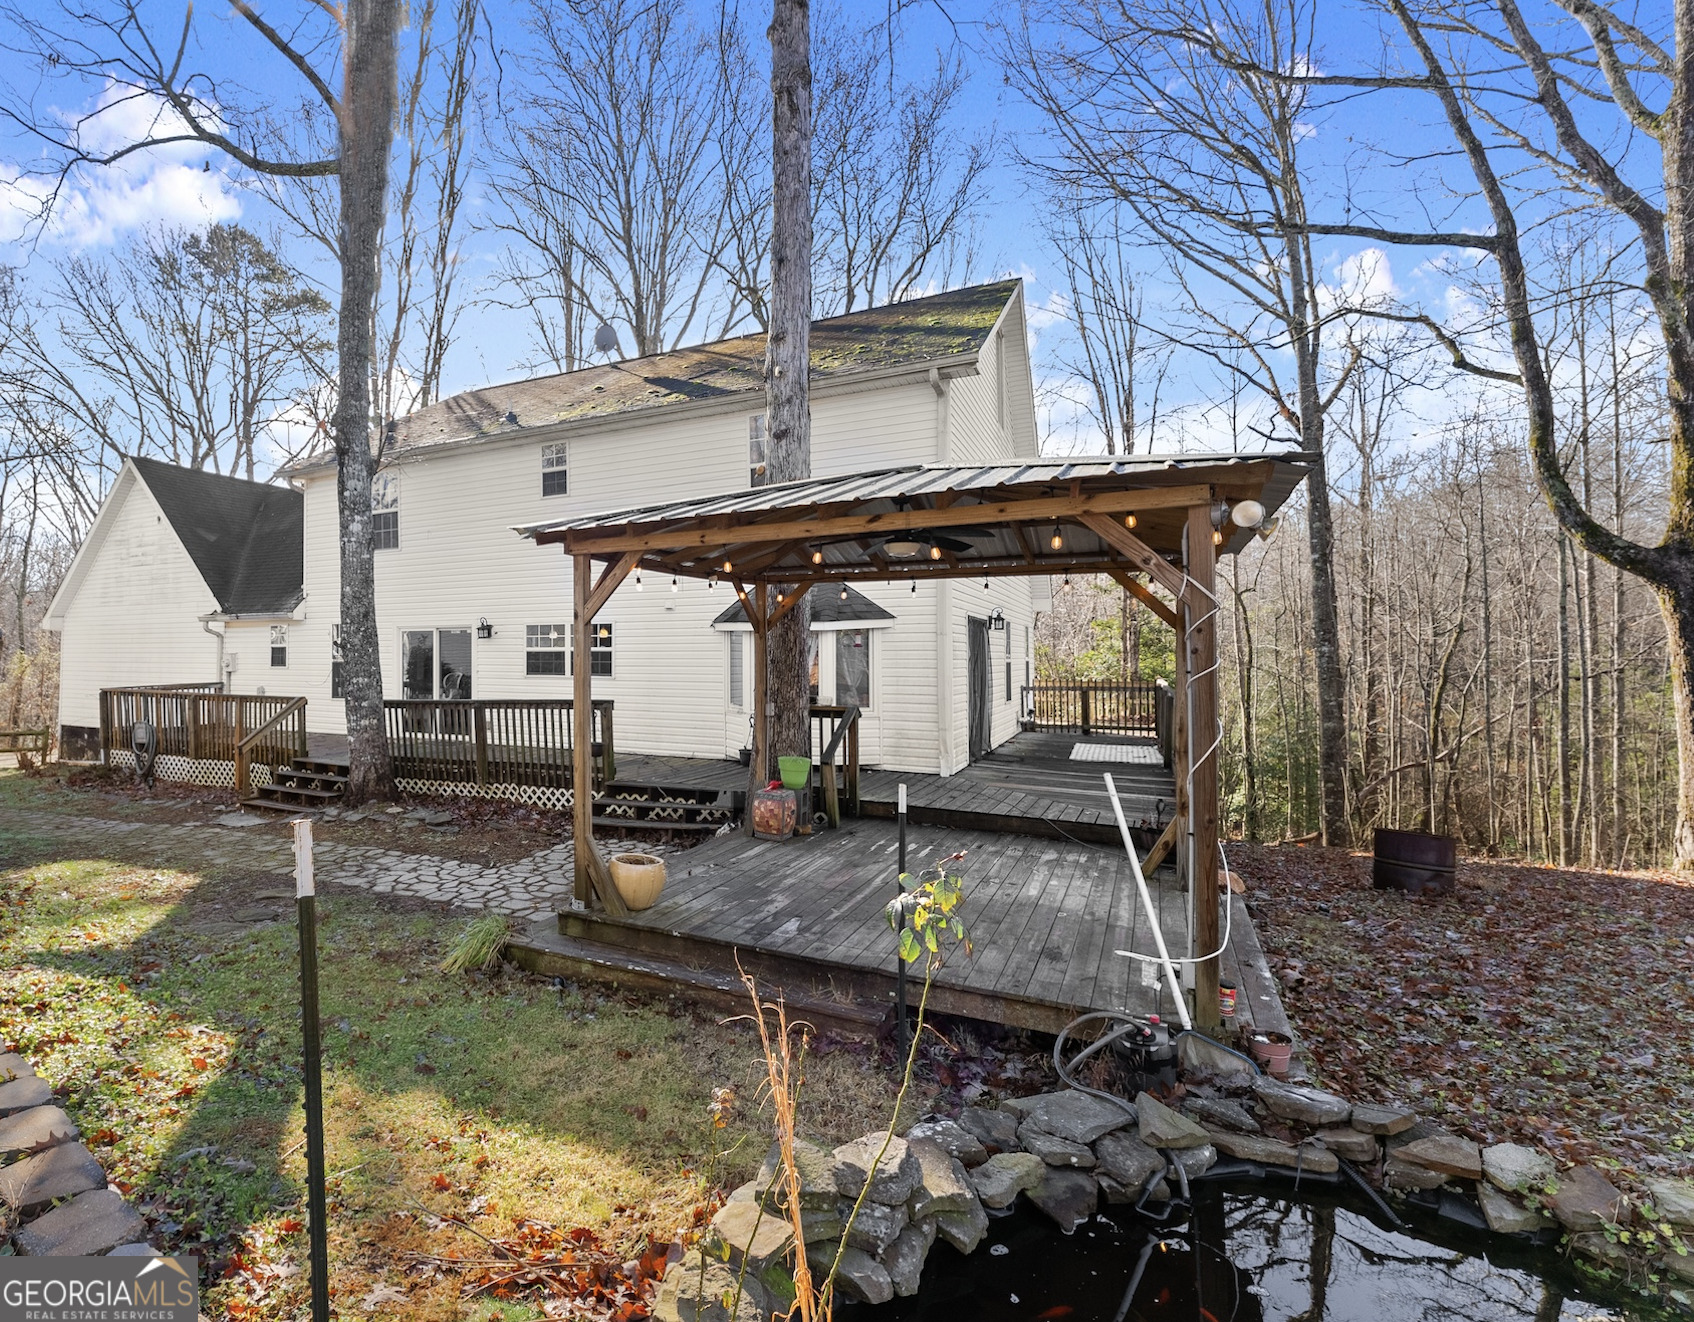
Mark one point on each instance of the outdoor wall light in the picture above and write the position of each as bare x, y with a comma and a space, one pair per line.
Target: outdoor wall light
1220, 513
1247, 514
997, 620
484, 629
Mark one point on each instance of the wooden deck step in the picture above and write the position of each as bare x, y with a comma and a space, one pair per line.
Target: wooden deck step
545, 950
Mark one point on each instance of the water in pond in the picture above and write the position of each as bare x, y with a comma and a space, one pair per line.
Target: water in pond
1244, 1256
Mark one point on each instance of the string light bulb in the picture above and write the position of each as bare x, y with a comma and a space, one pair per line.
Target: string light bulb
728, 568
1217, 537
985, 582
675, 586
817, 556
844, 592
1057, 540
1129, 520
779, 599
914, 587
638, 580
934, 552
712, 583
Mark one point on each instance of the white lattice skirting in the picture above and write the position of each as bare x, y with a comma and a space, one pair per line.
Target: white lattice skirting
193, 771
537, 796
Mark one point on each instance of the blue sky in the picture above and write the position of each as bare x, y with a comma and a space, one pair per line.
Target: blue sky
175, 186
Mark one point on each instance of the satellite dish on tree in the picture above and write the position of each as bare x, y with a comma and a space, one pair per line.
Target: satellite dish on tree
606, 339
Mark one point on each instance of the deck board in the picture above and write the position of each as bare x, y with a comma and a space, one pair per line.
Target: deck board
1045, 911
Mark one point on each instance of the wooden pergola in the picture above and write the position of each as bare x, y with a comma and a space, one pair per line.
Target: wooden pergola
1155, 524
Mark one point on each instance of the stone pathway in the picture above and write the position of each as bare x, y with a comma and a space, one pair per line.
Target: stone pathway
534, 887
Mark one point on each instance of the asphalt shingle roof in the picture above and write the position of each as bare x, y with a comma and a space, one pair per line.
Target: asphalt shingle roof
827, 608
247, 539
911, 333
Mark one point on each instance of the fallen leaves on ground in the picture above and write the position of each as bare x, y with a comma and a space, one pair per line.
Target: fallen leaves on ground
1539, 1005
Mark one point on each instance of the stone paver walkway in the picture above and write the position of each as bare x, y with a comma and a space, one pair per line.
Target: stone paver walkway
534, 887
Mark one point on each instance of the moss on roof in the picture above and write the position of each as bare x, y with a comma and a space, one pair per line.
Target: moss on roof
911, 333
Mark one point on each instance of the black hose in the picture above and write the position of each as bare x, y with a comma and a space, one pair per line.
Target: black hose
1349, 1169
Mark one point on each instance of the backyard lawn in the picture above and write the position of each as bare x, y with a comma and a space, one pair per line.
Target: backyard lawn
162, 1003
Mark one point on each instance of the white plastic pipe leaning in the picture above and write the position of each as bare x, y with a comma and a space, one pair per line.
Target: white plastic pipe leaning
1147, 904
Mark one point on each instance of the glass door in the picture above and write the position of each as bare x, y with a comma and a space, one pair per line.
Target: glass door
454, 648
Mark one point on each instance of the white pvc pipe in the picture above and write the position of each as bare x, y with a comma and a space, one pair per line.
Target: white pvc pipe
1147, 904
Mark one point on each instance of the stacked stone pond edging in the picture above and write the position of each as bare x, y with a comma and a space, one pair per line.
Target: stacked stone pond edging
53, 1194
1069, 1152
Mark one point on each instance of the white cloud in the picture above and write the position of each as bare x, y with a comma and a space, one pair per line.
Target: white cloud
179, 184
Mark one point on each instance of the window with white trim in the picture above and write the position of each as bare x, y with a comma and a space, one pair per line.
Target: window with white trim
554, 479
853, 668
599, 650
279, 645
757, 454
385, 512
547, 649
737, 672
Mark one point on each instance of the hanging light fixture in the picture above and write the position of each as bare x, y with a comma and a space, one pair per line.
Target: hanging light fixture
903, 548
1129, 520
1057, 540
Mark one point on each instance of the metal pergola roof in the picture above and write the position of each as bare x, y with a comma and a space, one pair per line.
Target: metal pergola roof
939, 521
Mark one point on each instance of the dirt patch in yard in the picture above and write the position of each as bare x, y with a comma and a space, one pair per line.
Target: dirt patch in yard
1540, 1005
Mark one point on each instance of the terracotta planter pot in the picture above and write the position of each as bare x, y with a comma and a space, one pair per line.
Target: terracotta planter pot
639, 878
1271, 1052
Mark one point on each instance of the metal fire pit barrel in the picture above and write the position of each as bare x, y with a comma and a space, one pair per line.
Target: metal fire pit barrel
1414, 862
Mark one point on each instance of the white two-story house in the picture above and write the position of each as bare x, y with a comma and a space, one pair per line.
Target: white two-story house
468, 608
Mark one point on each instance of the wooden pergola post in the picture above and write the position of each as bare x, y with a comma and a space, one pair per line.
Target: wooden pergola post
592, 877
1199, 652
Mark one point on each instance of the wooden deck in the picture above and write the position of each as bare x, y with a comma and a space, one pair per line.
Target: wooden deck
1030, 785
1045, 918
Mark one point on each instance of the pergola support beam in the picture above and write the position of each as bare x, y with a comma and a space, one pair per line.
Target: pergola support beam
592, 878
1200, 649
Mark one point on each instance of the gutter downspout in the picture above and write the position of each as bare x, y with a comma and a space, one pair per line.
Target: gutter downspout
206, 626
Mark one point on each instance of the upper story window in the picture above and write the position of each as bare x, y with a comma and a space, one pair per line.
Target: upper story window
385, 512
553, 465
757, 457
279, 644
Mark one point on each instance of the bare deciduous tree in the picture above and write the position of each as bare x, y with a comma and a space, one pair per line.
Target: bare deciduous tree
1206, 159
115, 58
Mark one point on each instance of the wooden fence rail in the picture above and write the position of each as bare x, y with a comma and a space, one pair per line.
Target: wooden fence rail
516, 741
1092, 708
837, 736
202, 724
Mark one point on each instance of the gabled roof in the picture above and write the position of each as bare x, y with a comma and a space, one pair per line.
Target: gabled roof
910, 334
827, 604
247, 539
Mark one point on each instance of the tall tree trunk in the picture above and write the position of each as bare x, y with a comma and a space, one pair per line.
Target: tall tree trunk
1320, 527
1562, 679
366, 138
788, 351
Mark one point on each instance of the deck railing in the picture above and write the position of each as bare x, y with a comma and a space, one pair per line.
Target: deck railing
202, 724
1092, 708
837, 735
516, 741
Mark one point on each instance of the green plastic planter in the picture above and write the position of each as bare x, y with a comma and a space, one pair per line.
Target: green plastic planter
796, 772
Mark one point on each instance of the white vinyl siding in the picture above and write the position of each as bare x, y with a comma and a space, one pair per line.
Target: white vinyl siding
133, 618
